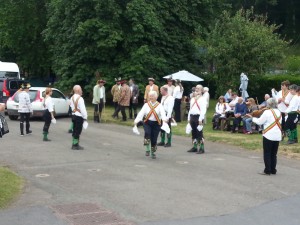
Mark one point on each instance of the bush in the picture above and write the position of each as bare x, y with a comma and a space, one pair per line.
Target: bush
292, 63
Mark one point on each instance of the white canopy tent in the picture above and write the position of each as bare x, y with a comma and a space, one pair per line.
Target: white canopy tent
184, 75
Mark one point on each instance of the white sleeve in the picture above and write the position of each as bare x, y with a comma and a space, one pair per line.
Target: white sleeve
262, 119
274, 94
50, 105
141, 114
82, 108
217, 109
162, 112
170, 108
227, 107
203, 110
104, 97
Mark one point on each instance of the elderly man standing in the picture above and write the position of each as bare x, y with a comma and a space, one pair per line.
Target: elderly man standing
115, 92
167, 101
124, 100
134, 98
195, 119
79, 115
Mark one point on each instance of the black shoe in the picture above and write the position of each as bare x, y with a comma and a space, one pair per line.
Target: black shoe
160, 144
147, 154
193, 149
28, 132
167, 145
77, 147
46, 139
153, 156
200, 152
22, 135
70, 131
290, 142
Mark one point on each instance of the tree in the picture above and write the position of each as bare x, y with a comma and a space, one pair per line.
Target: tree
242, 43
127, 38
21, 25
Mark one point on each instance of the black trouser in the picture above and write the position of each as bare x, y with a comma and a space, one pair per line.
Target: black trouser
24, 117
196, 134
216, 120
177, 109
151, 129
132, 107
283, 121
290, 124
116, 106
98, 107
270, 155
77, 126
47, 118
121, 108
236, 122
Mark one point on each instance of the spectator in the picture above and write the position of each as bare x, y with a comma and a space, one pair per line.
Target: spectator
221, 108
177, 94
239, 111
150, 87
247, 120
228, 96
264, 103
134, 98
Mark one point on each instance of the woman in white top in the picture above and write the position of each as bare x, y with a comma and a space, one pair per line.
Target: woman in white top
48, 115
271, 121
221, 108
177, 94
153, 112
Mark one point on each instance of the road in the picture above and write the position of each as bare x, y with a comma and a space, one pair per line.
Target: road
112, 182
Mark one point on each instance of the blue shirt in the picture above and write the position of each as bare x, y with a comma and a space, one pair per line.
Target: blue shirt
240, 108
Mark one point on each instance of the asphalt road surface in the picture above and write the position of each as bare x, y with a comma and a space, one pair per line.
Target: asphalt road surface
113, 182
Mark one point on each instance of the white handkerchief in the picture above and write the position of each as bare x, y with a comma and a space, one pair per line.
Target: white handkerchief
85, 125
200, 127
188, 128
165, 127
135, 130
173, 123
53, 121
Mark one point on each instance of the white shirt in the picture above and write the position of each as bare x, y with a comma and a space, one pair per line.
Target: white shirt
102, 93
146, 109
168, 104
282, 106
177, 94
207, 97
80, 106
221, 108
294, 104
266, 119
170, 89
194, 110
48, 104
24, 103
233, 103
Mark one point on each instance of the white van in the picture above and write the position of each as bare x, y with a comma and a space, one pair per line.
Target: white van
9, 70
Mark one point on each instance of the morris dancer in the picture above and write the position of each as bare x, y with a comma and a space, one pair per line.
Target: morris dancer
167, 102
292, 114
48, 115
79, 115
25, 109
154, 113
195, 118
271, 121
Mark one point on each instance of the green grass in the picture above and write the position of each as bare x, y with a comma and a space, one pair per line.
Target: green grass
250, 142
10, 186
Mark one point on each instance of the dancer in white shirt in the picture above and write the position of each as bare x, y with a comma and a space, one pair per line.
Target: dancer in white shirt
153, 112
271, 121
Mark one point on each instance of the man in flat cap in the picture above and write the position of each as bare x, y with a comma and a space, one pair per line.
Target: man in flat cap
150, 87
115, 92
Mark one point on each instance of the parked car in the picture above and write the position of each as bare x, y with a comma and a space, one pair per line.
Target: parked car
61, 103
8, 86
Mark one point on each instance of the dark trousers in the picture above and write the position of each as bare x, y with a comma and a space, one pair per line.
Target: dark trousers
77, 126
116, 106
99, 107
270, 155
236, 122
121, 108
151, 129
132, 109
24, 117
177, 109
47, 118
283, 121
290, 124
196, 134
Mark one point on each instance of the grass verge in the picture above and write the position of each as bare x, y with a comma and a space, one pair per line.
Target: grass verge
10, 186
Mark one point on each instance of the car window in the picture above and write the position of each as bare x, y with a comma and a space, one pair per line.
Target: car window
1, 85
14, 84
32, 95
8, 74
57, 94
